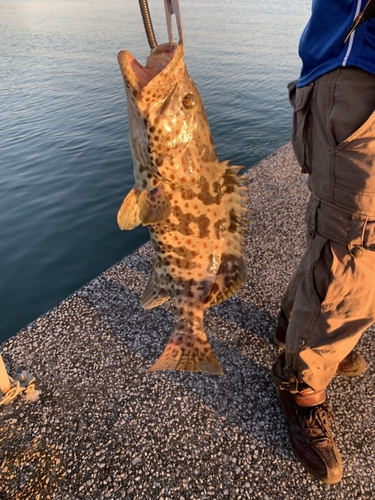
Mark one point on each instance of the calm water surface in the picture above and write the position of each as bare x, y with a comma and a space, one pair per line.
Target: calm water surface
65, 162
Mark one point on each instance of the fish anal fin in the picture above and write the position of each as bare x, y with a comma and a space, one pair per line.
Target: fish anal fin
231, 275
185, 352
154, 206
128, 215
156, 292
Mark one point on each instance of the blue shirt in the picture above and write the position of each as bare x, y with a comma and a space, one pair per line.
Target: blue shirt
321, 46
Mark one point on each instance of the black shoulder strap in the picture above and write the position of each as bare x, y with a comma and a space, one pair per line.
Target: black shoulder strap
367, 13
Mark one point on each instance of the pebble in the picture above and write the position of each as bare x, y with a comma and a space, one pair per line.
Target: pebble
105, 428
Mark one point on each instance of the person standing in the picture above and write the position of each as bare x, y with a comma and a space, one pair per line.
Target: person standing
330, 300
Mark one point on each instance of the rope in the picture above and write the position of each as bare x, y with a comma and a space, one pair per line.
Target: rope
17, 388
24, 383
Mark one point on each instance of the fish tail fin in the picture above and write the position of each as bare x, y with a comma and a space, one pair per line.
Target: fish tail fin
177, 355
187, 351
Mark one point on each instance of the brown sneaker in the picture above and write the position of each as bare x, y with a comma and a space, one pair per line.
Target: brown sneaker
352, 366
311, 438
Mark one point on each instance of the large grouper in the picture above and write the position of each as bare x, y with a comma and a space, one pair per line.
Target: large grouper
193, 205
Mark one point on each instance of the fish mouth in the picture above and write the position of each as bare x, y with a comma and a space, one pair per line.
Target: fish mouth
160, 66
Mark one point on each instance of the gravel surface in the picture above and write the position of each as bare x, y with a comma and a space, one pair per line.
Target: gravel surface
104, 428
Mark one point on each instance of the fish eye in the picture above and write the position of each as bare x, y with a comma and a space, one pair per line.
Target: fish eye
189, 101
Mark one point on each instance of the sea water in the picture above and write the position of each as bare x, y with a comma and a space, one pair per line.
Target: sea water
65, 163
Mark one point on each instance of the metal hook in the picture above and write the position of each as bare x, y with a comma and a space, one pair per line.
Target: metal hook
173, 7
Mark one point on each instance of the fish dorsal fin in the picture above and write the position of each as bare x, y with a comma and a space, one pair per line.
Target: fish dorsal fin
154, 206
156, 292
234, 203
128, 215
231, 274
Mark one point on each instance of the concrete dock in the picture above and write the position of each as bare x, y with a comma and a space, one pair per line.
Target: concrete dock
103, 428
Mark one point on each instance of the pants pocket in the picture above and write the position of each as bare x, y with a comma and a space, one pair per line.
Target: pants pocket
354, 161
319, 262
350, 292
299, 99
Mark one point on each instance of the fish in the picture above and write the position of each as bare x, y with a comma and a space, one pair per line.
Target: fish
193, 205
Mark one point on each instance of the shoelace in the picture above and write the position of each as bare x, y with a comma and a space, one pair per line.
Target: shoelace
316, 423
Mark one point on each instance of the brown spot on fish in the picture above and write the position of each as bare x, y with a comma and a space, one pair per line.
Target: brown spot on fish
205, 195
187, 194
216, 187
218, 228
233, 221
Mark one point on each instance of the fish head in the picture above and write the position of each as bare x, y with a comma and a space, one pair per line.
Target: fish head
169, 131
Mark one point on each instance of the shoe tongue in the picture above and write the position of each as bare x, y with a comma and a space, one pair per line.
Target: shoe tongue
316, 429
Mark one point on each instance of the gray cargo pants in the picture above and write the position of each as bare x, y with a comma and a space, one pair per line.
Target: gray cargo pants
330, 300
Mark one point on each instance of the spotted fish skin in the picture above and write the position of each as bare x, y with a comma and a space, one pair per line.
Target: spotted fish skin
193, 205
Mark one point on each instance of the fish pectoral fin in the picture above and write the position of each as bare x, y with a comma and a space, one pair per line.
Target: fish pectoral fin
128, 215
154, 206
155, 294
186, 352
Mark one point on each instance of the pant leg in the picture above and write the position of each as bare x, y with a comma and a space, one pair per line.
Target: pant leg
290, 294
334, 304
332, 290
